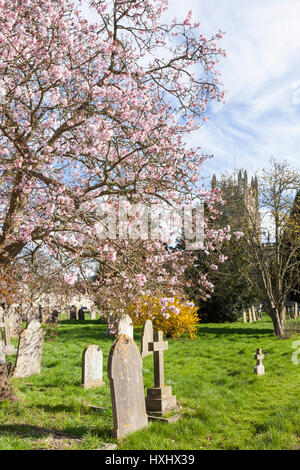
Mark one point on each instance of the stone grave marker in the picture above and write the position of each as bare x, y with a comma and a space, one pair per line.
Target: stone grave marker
250, 315
93, 314
254, 313
244, 316
159, 398
147, 337
2, 353
30, 350
9, 348
127, 387
73, 313
259, 368
125, 326
92, 367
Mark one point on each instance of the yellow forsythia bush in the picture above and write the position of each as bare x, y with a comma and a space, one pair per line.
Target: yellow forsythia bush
172, 315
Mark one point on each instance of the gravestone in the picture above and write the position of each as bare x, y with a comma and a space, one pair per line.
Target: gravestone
244, 316
93, 314
126, 386
2, 353
147, 337
92, 367
125, 326
283, 313
14, 319
30, 350
9, 348
81, 314
73, 313
159, 398
250, 315
4, 380
254, 313
259, 368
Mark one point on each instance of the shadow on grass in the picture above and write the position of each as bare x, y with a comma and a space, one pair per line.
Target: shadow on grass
215, 330
27, 430
93, 330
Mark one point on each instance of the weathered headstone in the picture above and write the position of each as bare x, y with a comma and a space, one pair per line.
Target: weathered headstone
283, 313
125, 326
250, 315
4, 381
93, 314
159, 398
244, 316
9, 348
2, 353
259, 368
81, 314
92, 367
14, 319
254, 313
126, 386
73, 313
147, 337
30, 350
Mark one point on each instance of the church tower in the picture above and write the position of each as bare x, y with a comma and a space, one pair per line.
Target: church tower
247, 193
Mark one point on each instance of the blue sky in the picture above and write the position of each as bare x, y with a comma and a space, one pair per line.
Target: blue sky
261, 73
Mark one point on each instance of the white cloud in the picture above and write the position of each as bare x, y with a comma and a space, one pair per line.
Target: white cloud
261, 72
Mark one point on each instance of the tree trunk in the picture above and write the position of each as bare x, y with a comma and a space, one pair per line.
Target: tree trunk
277, 319
5, 393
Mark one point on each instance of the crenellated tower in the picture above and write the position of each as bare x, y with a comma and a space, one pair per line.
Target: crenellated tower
239, 189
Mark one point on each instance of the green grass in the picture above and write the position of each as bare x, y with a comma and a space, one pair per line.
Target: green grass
224, 405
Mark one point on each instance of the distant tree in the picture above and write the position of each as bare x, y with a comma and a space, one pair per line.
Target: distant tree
272, 247
233, 279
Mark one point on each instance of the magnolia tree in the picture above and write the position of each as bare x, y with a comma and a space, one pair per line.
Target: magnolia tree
96, 110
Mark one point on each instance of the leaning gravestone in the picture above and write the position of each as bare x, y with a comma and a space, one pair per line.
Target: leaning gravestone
147, 337
125, 326
126, 386
92, 367
30, 350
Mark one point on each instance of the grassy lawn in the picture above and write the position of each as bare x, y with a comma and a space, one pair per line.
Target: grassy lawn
224, 405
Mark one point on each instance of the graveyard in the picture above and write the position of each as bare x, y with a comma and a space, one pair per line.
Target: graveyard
224, 405
149, 225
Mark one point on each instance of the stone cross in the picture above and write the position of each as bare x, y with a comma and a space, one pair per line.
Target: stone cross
125, 326
30, 350
147, 337
159, 398
158, 346
259, 368
126, 387
92, 367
